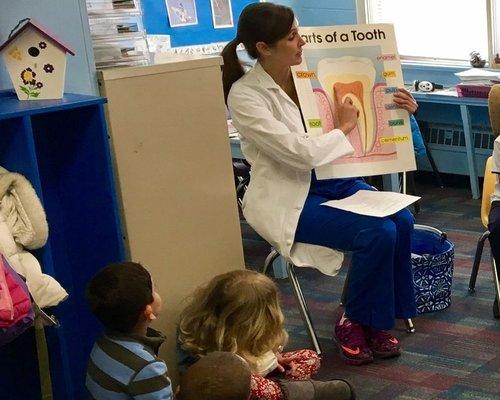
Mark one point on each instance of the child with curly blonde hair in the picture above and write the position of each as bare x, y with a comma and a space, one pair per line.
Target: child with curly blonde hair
239, 312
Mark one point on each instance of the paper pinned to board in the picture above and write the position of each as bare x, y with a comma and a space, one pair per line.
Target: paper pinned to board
373, 203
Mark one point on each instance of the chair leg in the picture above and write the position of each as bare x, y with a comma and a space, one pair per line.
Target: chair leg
496, 304
303, 306
241, 189
343, 297
410, 328
433, 165
411, 189
273, 255
477, 261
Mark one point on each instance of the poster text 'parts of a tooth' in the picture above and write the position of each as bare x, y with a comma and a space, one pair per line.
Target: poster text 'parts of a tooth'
360, 62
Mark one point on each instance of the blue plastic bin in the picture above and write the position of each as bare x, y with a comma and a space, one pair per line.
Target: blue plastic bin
432, 263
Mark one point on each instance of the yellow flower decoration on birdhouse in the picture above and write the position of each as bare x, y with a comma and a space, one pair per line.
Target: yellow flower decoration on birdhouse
32, 87
28, 76
15, 54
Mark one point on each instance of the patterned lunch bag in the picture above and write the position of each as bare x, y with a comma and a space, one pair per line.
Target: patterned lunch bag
432, 264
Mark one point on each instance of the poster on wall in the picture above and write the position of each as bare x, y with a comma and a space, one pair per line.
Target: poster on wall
222, 14
360, 62
181, 12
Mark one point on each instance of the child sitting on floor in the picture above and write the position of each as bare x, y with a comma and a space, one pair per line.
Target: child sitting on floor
123, 363
239, 312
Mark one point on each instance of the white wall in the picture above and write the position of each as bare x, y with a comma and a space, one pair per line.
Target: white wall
68, 20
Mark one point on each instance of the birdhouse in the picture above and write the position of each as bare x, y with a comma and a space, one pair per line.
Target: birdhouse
36, 62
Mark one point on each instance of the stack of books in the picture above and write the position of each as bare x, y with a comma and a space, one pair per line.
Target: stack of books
476, 82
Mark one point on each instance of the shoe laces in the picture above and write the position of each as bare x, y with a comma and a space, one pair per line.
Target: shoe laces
382, 336
352, 333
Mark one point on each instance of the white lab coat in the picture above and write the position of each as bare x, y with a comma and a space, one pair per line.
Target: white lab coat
282, 156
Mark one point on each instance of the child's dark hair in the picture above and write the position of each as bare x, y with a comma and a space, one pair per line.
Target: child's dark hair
118, 294
259, 22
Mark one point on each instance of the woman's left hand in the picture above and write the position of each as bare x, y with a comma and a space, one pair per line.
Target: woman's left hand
405, 100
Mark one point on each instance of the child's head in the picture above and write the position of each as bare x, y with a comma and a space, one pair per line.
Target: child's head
217, 376
122, 296
237, 312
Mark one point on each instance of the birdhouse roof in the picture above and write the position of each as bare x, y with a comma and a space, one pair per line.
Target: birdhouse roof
43, 31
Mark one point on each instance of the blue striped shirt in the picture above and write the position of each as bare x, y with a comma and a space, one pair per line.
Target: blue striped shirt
127, 367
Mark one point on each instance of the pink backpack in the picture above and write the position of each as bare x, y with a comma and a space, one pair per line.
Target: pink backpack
17, 314
16, 311
6, 306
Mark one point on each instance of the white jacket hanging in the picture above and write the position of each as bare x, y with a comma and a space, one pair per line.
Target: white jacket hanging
23, 225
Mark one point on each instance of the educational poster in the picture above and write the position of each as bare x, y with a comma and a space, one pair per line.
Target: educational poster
360, 62
181, 12
222, 15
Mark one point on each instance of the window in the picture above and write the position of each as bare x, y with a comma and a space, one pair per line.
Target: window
439, 31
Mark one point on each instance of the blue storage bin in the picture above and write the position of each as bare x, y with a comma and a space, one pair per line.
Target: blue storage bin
432, 264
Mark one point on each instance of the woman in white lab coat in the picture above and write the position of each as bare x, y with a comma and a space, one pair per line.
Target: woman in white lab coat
283, 200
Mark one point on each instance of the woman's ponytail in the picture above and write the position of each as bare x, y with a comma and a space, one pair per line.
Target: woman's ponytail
258, 22
232, 69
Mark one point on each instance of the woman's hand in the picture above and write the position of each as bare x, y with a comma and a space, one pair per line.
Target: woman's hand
405, 100
347, 115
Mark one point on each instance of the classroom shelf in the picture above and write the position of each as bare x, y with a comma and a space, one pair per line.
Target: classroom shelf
62, 147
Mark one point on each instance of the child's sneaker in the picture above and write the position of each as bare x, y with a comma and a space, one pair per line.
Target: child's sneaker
382, 343
350, 338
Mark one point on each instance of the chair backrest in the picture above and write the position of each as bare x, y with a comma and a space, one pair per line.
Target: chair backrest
489, 177
494, 109
488, 188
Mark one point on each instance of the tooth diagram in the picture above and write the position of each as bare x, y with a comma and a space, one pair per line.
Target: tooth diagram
326, 110
352, 77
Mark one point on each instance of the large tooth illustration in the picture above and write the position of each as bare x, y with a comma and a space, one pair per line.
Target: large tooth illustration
352, 77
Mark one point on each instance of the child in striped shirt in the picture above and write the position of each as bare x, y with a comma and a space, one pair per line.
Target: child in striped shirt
124, 363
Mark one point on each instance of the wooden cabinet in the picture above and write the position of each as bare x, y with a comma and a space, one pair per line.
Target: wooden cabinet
171, 148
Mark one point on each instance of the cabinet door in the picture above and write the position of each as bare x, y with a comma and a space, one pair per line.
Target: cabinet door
171, 146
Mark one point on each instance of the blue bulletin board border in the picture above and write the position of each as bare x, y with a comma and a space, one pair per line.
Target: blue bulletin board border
156, 23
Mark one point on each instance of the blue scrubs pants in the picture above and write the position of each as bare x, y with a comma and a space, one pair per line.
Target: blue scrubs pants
380, 286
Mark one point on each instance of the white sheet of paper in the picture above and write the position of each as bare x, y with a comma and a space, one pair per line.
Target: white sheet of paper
475, 73
373, 203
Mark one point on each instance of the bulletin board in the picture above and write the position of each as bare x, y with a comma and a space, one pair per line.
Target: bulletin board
156, 22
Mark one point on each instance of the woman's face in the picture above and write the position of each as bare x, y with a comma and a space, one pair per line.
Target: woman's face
289, 49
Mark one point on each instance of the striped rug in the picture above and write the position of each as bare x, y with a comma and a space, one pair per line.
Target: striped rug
454, 354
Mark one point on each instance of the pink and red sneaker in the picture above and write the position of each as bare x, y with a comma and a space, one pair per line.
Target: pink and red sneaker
382, 343
350, 339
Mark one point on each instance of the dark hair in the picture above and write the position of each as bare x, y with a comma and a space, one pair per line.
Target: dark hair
258, 22
217, 376
118, 294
